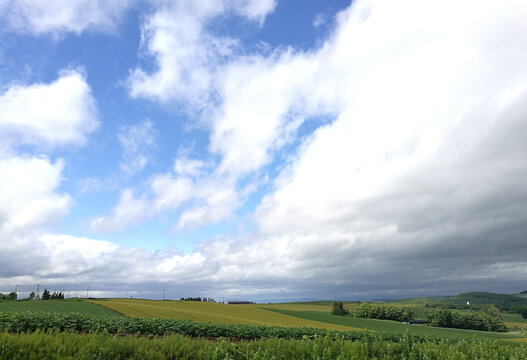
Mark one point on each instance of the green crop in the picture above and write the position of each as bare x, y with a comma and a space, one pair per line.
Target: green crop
57, 345
77, 322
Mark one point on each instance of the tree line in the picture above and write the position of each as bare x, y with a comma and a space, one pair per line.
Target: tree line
465, 320
205, 299
11, 296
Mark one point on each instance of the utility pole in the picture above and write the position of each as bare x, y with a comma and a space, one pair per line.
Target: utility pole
38, 292
87, 292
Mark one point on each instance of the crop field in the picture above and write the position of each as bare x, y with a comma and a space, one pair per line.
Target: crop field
210, 312
40, 345
56, 306
308, 306
396, 327
157, 330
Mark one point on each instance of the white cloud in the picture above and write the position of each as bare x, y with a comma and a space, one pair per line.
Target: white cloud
59, 113
29, 200
203, 201
56, 16
27, 193
186, 54
136, 141
129, 210
417, 178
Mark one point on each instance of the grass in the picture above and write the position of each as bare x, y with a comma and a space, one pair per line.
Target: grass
56, 306
210, 312
395, 327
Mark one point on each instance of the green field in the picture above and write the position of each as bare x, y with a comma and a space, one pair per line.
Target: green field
308, 314
211, 312
396, 327
99, 346
56, 306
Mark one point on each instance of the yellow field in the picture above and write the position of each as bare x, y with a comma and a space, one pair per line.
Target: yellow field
217, 313
512, 325
522, 340
305, 307
296, 307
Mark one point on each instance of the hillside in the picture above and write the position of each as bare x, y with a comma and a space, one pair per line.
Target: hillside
474, 297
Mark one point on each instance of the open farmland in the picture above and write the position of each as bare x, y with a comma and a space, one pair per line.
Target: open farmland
285, 314
56, 306
210, 312
396, 327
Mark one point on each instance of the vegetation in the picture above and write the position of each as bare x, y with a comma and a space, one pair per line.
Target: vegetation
383, 312
398, 328
519, 309
102, 346
338, 309
198, 299
11, 296
47, 295
465, 320
218, 313
76, 322
56, 306
446, 305
502, 301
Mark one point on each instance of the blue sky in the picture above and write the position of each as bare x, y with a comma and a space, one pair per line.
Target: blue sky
263, 149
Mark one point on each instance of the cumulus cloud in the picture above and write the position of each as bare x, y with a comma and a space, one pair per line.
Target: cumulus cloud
59, 113
56, 16
136, 141
29, 200
417, 177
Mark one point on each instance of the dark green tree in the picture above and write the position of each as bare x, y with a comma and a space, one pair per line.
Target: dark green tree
338, 309
46, 295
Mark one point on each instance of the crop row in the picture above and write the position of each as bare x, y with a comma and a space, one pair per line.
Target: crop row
84, 323
60, 345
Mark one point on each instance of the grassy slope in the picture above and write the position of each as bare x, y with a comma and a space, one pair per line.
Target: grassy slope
473, 297
216, 313
393, 326
56, 306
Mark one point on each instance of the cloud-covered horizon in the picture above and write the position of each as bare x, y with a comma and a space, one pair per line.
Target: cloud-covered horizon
385, 161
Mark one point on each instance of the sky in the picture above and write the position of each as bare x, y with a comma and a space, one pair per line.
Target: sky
263, 150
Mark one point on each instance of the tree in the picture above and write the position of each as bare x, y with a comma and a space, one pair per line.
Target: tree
46, 295
12, 296
32, 295
338, 309
491, 310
